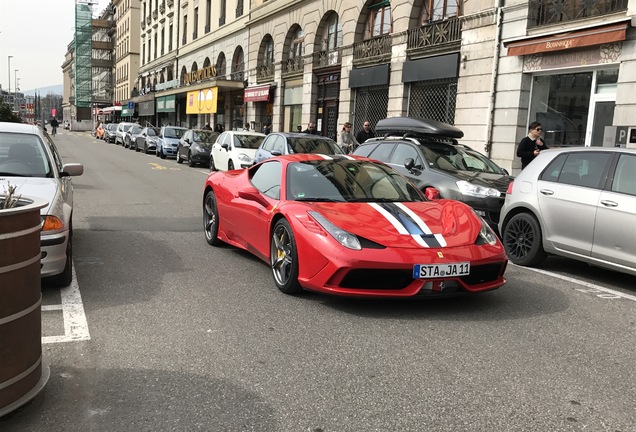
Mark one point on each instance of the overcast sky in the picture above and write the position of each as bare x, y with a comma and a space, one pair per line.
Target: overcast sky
36, 33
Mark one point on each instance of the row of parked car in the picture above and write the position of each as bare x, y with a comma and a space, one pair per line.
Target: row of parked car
219, 151
429, 155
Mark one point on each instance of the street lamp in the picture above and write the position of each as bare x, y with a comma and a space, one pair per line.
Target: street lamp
15, 92
9, 60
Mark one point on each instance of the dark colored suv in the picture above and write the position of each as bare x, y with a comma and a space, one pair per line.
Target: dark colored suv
428, 154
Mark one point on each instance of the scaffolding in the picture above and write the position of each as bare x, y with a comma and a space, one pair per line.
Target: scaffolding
83, 55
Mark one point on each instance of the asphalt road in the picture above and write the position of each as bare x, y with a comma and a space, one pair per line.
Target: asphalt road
183, 336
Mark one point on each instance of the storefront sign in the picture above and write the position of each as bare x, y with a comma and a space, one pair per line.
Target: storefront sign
127, 112
256, 94
604, 54
147, 108
167, 85
199, 75
564, 41
166, 104
202, 101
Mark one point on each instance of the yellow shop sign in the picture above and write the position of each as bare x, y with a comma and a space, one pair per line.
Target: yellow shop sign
202, 101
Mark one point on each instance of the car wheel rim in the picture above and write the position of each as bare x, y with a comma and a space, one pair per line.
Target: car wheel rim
281, 254
519, 238
209, 217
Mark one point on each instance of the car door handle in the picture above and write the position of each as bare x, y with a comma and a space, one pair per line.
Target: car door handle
607, 203
546, 192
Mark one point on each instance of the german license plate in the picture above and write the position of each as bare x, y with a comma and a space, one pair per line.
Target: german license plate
426, 271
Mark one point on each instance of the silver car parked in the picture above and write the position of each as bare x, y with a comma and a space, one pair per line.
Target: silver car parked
574, 202
30, 161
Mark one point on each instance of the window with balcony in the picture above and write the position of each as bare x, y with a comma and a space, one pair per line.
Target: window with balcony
221, 68
195, 24
437, 10
222, 9
143, 53
238, 64
330, 41
265, 68
379, 20
546, 12
185, 30
208, 15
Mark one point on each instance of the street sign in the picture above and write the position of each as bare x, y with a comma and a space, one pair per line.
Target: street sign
131, 105
22, 106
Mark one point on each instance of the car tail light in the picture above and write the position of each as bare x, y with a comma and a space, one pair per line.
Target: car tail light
509, 191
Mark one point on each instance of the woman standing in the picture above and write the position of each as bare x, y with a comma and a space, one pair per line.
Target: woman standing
347, 141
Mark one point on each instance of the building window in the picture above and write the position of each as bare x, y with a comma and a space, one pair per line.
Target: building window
195, 24
436, 10
222, 13
170, 32
156, 51
185, 30
143, 53
239, 8
296, 46
208, 15
379, 21
163, 40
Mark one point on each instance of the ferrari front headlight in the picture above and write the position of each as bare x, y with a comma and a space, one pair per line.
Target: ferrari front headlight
343, 237
486, 234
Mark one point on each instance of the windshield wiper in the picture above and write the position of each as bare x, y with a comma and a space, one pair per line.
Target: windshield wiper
317, 199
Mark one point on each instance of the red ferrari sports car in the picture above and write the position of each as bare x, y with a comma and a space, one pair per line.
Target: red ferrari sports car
350, 226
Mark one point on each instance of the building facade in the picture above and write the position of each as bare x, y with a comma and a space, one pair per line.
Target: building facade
489, 67
126, 53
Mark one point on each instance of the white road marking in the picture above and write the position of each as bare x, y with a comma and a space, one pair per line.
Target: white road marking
601, 292
75, 324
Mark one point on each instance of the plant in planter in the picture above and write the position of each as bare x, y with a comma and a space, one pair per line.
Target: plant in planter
10, 199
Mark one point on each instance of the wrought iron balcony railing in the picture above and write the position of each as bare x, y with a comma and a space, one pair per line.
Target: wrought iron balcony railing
292, 66
148, 19
546, 12
327, 58
435, 36
170, 3
155, 14
265, 72
162, 8
373, 50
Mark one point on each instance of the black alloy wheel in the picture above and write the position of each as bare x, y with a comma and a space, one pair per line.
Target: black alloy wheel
211, 219
284, 258
179, 160
523, 240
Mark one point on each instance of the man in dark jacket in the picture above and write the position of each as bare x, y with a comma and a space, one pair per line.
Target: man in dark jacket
311, 129
531, 145
365, 133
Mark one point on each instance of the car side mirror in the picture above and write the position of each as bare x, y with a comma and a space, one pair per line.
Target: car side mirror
276, 153
252, 194
409, 163
431, 193
72, 169
225, 146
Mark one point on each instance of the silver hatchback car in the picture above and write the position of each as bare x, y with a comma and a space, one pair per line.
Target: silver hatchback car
30, 161
574, 202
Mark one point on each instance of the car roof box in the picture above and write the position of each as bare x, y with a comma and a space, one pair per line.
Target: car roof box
416, 127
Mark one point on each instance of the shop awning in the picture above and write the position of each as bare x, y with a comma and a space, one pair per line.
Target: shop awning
576, 39
111, 109
256, 94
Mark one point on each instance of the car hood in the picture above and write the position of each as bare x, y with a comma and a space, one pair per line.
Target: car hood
170, 140
496, 181
45, 188
403, 225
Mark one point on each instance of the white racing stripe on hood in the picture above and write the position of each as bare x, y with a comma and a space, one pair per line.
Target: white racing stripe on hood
418, 220
324, 156
396, 223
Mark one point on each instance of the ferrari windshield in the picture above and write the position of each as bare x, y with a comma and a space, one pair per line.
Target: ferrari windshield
345, 180
314, 145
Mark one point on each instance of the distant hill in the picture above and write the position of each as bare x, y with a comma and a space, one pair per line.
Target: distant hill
43, 91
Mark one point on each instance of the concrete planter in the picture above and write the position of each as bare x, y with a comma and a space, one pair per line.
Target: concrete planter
22, 372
